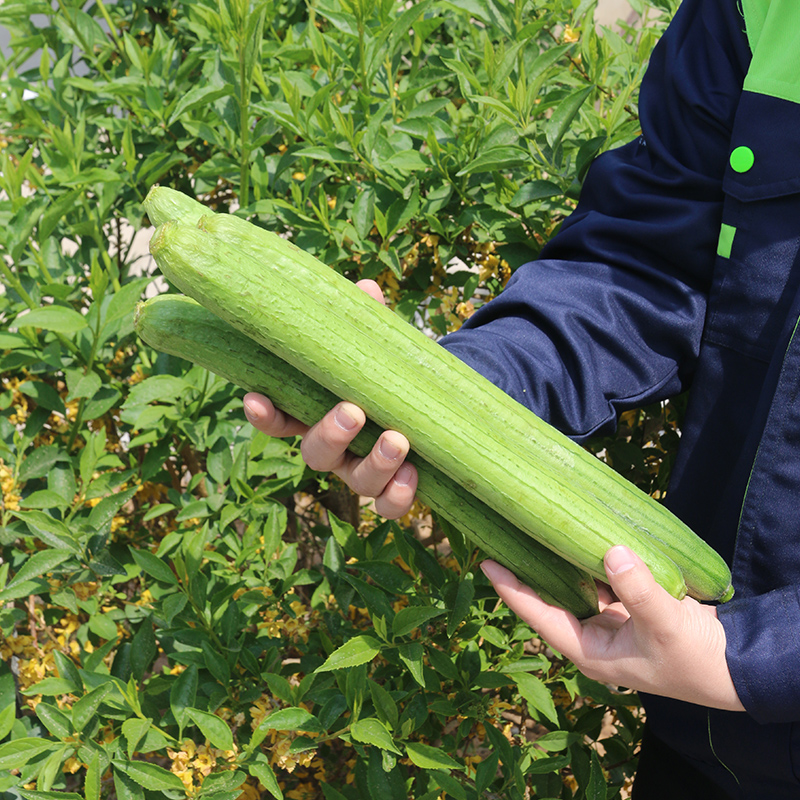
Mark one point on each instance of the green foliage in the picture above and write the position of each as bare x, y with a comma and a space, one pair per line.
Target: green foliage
187, 610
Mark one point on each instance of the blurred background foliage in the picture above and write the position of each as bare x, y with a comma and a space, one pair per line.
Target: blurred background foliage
187, 610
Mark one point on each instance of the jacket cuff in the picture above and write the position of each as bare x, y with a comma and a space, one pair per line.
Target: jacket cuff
763, 652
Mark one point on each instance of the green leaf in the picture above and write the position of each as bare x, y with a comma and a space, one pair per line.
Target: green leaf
563, 115
103, 513
32, 794
541, 766
154, 566
412, 617
85, 708
497, 158
333, 794
292, 719
213, 728
122, 304
358, 650
67, 670
49, 530
51, 768
262, 770
228, 781
462, 605
37, 565
16, 754
216, 663
173, 605
156, 388
364, 212
373, 731
411, 655
8, 716
103, 400
182, 696
198, 96
347, 536
93, 780
158, 510
427, 757
44, 395
334, 155
40, 461
134, 730
537, 695
104, 565
485, 773
55, 720
384, 704
49, 687
534, 190
59, 319
125, 787
103, 626
55, 212
596, 786
151, 776
45, 498
144, 648
557, 740
84, 385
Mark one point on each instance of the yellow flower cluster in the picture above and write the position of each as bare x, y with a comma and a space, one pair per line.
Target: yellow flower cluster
490, 265
193, 763
449, 309
8, 486
35, 656
136, 376
277, 624
19, 402
279, 743
390, 286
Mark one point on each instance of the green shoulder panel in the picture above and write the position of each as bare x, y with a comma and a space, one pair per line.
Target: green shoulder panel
773, 31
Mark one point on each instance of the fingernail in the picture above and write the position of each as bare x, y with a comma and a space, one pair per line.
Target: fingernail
344, 419
388, 449
619, 559
404, 475
486, 572
251, 412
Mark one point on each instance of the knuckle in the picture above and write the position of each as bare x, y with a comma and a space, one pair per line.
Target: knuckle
641, 597
314, 457
387, 509
364, 486
393, 504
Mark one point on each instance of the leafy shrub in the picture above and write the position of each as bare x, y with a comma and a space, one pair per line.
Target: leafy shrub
187, 609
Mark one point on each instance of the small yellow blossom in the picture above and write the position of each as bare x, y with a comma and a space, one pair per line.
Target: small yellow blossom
71, 765
303, 791
249, 792
10, 497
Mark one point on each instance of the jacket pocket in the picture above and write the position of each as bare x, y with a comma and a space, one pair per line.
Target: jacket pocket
757, 272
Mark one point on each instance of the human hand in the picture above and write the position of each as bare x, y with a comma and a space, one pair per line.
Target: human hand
382, 474
643, 638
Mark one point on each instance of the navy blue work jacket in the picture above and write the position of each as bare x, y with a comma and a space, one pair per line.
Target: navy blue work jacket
638, 298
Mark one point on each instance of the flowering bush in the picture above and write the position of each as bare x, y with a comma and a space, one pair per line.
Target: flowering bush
187, 609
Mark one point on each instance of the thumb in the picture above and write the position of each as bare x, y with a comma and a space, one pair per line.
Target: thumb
636, 588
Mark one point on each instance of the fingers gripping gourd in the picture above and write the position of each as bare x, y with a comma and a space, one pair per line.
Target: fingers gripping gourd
315, 319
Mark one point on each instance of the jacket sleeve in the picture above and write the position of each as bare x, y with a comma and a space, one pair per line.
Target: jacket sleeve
610, 316
763, 654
